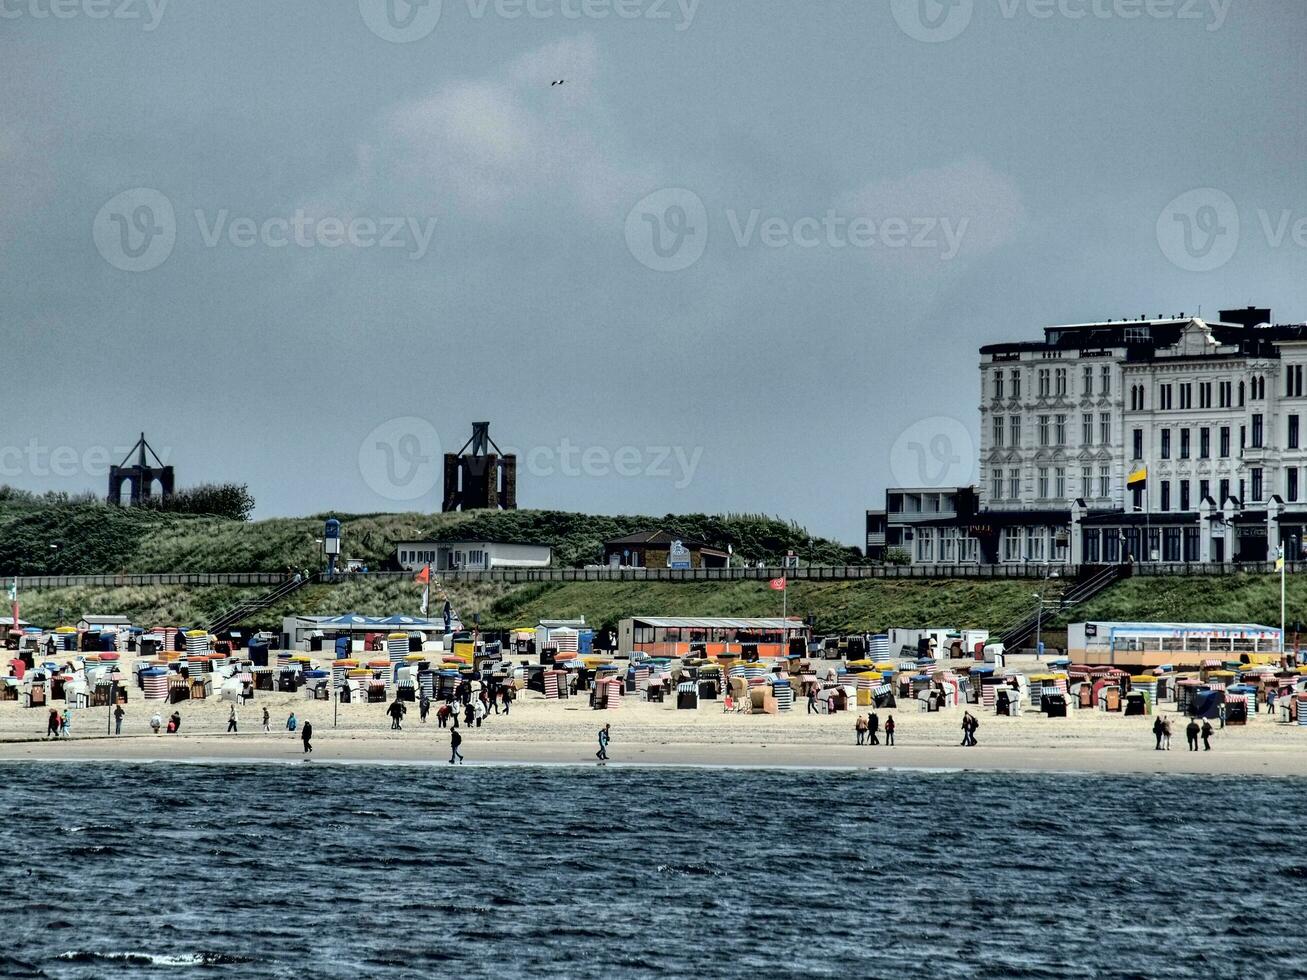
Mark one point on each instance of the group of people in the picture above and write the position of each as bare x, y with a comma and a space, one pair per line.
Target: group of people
1193, 732
969, 725
868, 729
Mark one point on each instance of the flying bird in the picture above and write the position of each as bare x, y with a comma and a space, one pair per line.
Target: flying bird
559, 82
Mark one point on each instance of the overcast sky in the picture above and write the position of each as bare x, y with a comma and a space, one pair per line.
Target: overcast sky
740, 260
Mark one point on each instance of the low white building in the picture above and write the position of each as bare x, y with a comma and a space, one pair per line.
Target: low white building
474, 556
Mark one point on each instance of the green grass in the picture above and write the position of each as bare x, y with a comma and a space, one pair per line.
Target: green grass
851, 606
92, 539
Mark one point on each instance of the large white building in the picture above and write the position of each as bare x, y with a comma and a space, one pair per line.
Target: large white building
1211, 411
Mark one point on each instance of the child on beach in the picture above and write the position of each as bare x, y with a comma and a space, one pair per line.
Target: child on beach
65, 724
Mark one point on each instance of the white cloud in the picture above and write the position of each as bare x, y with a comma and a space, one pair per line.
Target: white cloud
484, 145
968, 196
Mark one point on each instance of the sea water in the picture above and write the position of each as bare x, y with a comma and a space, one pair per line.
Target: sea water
316, 870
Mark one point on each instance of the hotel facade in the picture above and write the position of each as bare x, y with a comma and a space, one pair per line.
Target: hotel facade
1209, 415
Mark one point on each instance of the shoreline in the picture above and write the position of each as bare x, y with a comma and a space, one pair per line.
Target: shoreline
428, 750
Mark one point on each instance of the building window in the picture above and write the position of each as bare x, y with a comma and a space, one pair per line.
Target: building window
1223, 393
1104, 481
1257, 432
1137, 444
1204, 443
1184, 495
1104, 428
1293, 432
1293, 380
1014, 431
1163, 397
1204, 490
1011, 544
1043, 430
1186, 396
1043, 482
1224, 492
1166, 443
1257, 484
1043, 377
1059, 377
1225, 442
1088, 387
1137, 498
1060, 433
996, 484
1291, 484
1166, 495
998, 432
1014, 483
1241, 394
1086, 482
1184, 443
1016, 382
1105, 380
1059, 478
1171, 544
998, 384
1205, 395
1087, 429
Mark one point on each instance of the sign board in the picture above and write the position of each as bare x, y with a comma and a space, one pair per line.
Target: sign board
791, 560
678, 555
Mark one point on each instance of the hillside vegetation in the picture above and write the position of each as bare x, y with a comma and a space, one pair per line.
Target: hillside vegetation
837, 607
77, 537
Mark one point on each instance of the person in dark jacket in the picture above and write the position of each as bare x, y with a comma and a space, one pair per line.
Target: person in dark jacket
889, 730
873, 729
602, 754
1157, 732
1191, 734
455, 740
306, 733
1207, 735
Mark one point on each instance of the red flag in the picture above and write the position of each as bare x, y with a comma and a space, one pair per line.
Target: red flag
423, 576
777, 584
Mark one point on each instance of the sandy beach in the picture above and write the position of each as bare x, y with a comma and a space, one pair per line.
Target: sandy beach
564, 732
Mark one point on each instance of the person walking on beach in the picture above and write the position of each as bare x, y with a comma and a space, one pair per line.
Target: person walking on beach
860, 729
873, 728
231, 720
267, 720
1166, 734
1207, 735
1191, 734
305, 735
396, 712
424, 708
602, 754
969, 726
156, 722
291, 723
510, 694
1157, 732
478, 712
455, 740
442, 715
65, 724
812, 699
118, 715
889, 730
52, 724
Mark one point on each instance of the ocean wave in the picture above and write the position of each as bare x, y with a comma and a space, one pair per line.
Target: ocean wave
135, 958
